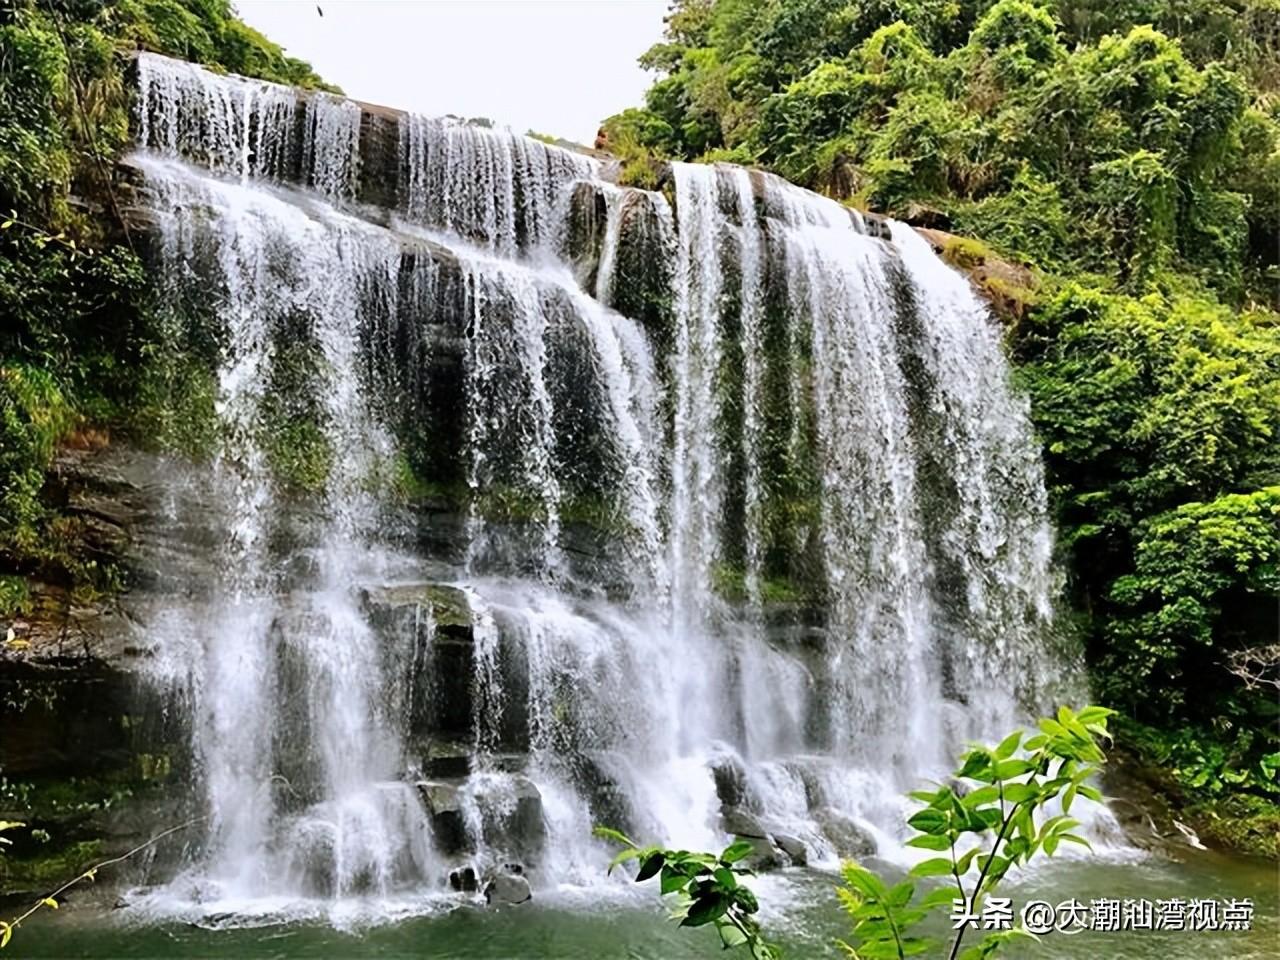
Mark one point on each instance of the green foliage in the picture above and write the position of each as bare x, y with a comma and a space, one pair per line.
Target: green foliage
1150, 147
1240, 821
206, 31
1192, 563
1208, 764
707, 889
34, 416
636, 137
175, 403
83, 339
293, 419
1147, 403
1002, 790
1160, 418
15, 596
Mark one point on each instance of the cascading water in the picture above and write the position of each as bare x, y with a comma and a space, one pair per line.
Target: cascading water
340, 821
544, 502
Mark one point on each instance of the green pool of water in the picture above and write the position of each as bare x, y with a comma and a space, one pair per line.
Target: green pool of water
799, 912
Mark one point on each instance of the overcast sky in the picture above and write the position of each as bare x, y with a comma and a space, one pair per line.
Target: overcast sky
555, 66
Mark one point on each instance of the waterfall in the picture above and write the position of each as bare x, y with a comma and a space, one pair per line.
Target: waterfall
541, 502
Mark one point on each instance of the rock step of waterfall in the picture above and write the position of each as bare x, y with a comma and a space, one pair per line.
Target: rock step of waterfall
697, 513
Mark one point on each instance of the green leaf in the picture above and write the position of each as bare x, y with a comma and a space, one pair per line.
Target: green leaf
874, 928
929, 820
650, 866
1053, 728
913, 946
736, 851
1076, 838
706, 909
929, 841
672, 880
937, 867
1068, 798
1020, 792
976, 762
1009, 744
988, 818
608, 833
864, 881
730, 935
724, 876
1093, 714
622, 858
975, 798
941, 897
746, 899
878, 950
1025, 823
995, 867
1008, 769
900, 894
1017, 848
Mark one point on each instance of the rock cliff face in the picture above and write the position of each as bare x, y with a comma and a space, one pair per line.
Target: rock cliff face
89, 748
533, 502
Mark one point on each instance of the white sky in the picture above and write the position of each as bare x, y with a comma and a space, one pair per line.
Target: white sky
555, 66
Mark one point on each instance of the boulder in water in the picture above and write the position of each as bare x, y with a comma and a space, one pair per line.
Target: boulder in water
849, 839
464, 880
741, 823
730, 779
745, 826
763, 856
507, 888
445, 807
516, 825
793, 847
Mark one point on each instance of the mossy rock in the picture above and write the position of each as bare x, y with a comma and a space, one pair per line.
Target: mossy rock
1009, 287
730, 583
449, 605
42, 872
1244, 823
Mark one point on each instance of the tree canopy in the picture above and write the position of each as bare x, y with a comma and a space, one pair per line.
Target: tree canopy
1125, 140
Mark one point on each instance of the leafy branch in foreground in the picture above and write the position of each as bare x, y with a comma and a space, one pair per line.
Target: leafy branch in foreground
1000, 789
707, 889
51, 901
